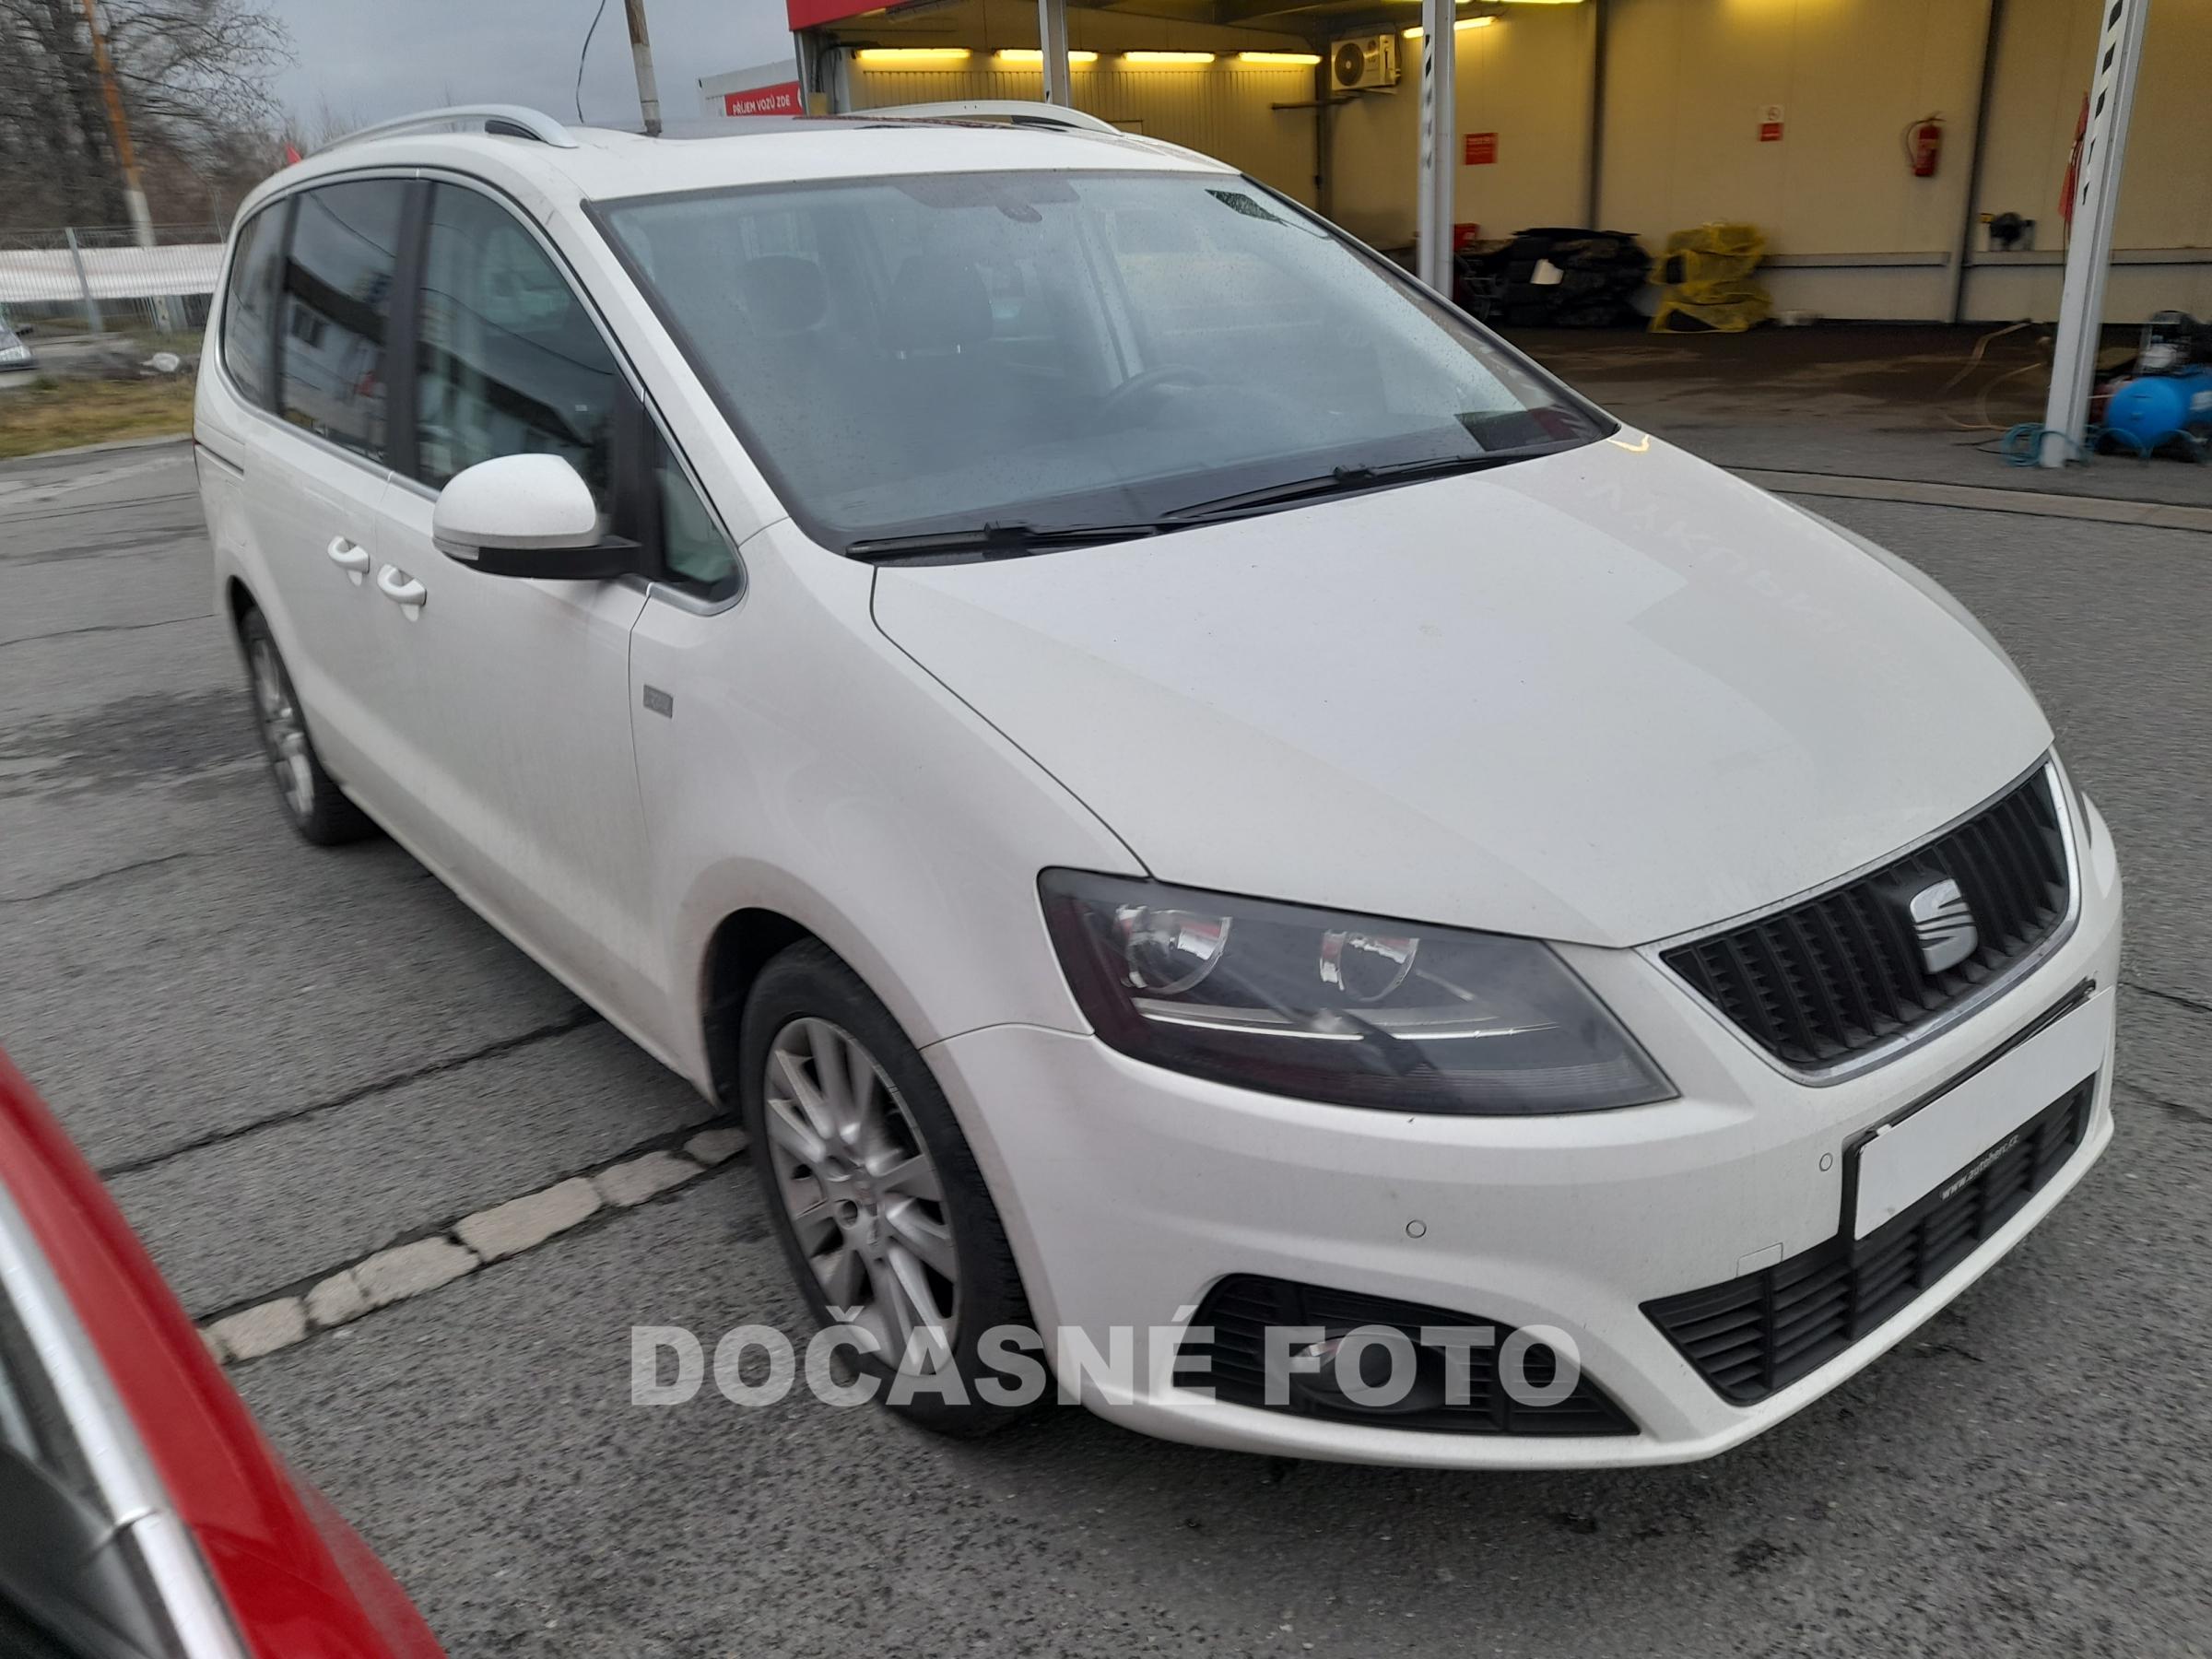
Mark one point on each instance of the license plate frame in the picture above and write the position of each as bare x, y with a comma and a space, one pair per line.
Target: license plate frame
1949, 1137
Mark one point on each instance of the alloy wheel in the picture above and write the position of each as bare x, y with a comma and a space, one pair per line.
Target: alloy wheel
861, 1192
283, 733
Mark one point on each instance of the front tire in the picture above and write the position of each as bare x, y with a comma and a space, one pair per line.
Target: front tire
871, 1187
316, 808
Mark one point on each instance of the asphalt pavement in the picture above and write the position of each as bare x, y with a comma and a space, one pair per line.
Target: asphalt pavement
285, 1059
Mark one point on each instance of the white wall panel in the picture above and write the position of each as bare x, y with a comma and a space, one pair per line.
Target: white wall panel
1525, 78
1687, 83
2043, 64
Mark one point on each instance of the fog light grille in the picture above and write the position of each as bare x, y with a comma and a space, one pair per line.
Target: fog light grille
1241, 1309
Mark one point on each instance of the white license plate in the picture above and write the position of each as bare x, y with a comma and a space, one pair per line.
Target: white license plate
1976, 1119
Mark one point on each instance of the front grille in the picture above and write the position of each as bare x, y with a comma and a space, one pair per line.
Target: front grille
1754, 1334
1240, 1308
1839, 974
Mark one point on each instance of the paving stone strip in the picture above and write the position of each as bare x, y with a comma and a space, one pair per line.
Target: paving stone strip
495, 1234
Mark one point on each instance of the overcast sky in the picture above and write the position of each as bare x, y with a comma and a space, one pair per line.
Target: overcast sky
365, 59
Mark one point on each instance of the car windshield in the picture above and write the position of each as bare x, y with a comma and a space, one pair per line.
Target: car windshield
1045, 352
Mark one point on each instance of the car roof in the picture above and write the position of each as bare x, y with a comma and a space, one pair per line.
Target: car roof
602, 162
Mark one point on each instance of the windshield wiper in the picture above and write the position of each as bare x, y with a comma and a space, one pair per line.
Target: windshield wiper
1350, 480
997, 540
1013, 539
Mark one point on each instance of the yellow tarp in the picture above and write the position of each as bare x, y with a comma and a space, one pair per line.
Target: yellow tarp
1713, 263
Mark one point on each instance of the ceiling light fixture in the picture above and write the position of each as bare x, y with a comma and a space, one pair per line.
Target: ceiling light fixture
914, 54
1415, 32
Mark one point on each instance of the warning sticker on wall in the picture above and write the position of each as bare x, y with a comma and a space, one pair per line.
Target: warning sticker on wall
1770, 123
1482, 148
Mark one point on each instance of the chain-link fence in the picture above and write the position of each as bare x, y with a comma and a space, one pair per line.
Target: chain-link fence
98, 279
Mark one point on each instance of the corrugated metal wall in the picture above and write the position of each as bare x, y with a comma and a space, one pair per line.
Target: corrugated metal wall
1219, 109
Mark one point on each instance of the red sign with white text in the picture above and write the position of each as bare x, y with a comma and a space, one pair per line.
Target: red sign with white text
783, 98
1482, 149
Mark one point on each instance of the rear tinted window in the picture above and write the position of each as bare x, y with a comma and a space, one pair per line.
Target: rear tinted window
338, 304
248, 302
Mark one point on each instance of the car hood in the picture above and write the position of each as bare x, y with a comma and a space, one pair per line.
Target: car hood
1606, 696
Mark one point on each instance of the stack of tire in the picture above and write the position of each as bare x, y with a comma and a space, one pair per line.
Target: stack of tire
1600, 271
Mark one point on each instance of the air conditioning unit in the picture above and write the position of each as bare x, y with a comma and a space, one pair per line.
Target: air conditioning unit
1364, 64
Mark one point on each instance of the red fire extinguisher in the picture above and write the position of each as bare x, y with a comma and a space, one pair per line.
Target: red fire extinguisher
1923, 146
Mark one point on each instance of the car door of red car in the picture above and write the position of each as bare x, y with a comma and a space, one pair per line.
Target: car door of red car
141, 1514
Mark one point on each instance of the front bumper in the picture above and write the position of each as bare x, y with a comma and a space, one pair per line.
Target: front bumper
1128, 1190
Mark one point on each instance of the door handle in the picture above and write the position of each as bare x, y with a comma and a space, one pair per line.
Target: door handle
402, 589
349, 557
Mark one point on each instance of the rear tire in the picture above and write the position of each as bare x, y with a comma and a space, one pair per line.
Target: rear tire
878, 1199
314, 804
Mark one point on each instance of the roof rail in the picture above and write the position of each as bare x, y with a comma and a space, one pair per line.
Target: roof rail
1019, 111
508, 120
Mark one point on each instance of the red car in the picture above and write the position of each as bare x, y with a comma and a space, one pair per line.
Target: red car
141, 1514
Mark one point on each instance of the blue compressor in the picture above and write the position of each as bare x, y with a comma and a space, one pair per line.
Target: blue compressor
2151, 410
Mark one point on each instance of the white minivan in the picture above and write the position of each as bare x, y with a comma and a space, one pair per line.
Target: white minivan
1207, 813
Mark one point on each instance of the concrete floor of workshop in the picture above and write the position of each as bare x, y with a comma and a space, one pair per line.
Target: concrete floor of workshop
1867, 400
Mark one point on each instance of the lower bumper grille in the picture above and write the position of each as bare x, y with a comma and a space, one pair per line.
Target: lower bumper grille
1754, 1334
1241, 1309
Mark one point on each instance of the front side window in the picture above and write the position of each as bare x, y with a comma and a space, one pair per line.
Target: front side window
509, 362
694, 552
337, 306
932, 353
249, 298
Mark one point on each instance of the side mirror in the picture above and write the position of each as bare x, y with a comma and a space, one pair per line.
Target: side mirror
527, 515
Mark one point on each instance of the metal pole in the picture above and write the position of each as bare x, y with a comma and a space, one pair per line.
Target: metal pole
809, 62
2089, 247
1594, 167
1052, 35
1440, 167
1963, 245
1324, 171
84, 284
641, 53
126, 157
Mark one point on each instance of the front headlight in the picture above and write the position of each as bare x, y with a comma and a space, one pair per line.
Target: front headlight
1353, 1010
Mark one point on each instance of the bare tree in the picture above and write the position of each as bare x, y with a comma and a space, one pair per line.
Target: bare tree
193, 75
328, 123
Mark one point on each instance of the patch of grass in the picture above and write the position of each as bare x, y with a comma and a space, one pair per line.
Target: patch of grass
56, 415
149, 341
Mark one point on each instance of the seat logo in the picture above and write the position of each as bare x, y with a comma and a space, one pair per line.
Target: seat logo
1944, 925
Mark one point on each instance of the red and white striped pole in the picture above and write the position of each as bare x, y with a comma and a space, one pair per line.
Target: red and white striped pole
1440, 139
